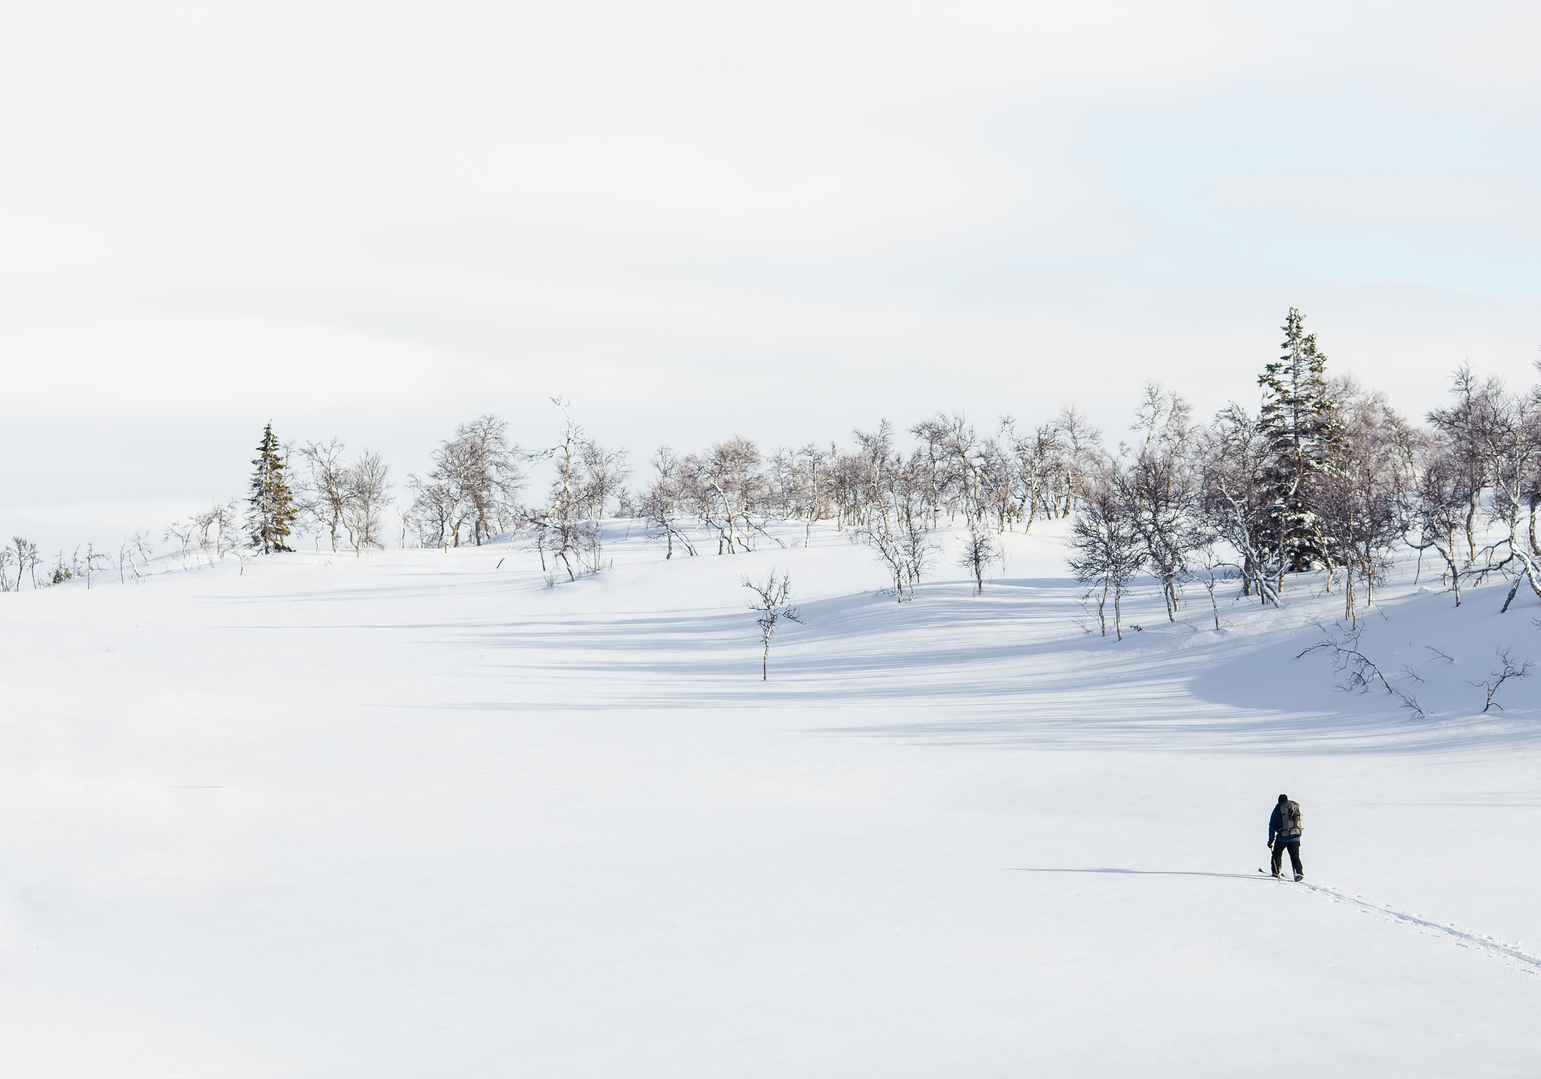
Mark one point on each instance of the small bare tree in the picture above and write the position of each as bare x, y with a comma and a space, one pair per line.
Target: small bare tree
1508, 670
980, 550
605, 472
879, 534
562, 527
184, 533
772, 605
26, 560
1361, 501
1209, 569
228, 538
1106, 550
1160, 488
475, 480
215, 530
1435, 506
324, 490
126, 562
94, 563
435, 512
1237, 503
662, 503
892, 514
365, 488
143, 548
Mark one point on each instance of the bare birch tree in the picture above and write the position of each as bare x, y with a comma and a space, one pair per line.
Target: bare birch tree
324, 486
476, 478
1107, 551
980, 550
366, 493
772, 606
26, 560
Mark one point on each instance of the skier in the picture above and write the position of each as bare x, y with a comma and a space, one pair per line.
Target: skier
1284, 828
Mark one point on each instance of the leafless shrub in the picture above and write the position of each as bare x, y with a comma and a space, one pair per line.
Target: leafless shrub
772, 605
980, 550
1508, 670
126, 564
1207, 567
93, 564
26, 560
184, 533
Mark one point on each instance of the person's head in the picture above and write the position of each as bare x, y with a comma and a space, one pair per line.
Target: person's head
1283, 798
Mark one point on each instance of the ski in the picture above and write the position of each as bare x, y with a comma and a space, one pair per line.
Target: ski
1267, 873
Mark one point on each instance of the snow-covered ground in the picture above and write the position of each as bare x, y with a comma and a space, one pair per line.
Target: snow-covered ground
415, 815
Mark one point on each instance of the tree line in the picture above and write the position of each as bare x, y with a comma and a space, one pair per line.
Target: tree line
1323, 475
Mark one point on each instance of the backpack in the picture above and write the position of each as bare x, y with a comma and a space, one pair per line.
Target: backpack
1292, 819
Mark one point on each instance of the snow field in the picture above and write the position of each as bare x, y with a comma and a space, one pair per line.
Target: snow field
411, 815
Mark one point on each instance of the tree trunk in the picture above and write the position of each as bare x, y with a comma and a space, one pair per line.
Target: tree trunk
1448, 554
1471, 535
1369, 576
1527, 575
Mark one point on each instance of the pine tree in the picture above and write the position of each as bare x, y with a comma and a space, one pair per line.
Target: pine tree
272, 505
1301, 428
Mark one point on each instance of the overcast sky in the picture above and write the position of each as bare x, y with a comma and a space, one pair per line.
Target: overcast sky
698, 219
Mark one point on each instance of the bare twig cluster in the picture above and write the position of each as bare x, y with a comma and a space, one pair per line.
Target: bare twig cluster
1508, 670
1357, 672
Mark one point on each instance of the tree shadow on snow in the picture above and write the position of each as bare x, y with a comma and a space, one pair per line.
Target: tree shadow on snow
950, 667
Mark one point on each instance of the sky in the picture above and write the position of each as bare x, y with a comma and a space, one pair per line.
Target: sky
692, 220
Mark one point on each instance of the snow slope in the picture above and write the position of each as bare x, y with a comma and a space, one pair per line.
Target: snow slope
415, 815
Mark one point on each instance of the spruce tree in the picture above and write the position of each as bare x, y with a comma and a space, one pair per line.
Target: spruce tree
1301, 429
272, 509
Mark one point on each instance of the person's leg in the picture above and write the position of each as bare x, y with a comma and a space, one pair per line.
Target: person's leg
1277, 856
1295, 859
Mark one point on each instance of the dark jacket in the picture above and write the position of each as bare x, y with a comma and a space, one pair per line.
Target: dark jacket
1279, 827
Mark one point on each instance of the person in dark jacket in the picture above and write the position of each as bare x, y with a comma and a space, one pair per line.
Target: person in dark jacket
1284, 828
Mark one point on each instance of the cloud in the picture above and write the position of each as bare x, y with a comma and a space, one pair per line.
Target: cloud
383, 217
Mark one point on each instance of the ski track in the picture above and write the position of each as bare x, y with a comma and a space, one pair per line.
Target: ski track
1524, 960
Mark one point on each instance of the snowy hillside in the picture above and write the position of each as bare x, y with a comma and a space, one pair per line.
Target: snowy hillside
417, 814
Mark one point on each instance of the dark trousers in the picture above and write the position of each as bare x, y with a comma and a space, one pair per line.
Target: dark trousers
1278, 854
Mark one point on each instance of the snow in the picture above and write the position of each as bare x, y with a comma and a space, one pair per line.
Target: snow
411, 814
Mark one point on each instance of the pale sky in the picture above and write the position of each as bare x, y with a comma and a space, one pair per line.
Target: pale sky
373, 220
